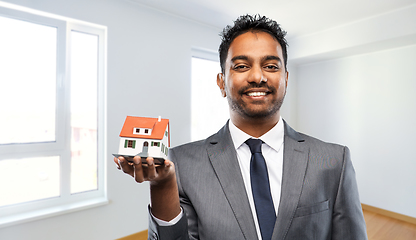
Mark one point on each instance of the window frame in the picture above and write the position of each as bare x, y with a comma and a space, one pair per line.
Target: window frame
206, 55
130, 144
66, 202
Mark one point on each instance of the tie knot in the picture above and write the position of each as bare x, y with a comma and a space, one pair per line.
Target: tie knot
254, 145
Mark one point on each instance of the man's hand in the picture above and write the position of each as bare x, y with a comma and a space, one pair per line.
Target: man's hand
146, 172
163, 187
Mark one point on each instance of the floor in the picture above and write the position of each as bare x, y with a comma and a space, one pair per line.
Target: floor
380, 227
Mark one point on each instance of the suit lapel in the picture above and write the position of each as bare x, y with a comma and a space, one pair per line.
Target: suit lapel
223, 157
295, 161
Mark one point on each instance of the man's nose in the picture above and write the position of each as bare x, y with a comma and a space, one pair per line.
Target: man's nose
256, 75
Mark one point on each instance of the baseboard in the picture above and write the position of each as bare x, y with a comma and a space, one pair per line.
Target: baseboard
136, 236
389, 213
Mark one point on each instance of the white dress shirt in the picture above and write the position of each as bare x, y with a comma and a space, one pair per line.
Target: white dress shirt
272, 152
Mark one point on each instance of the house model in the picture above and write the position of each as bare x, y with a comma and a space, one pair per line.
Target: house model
145, 137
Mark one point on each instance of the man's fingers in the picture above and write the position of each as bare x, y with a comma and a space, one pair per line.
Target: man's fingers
138, 169
137, 160
151, 170
167, 163
146, 170
125, 166
117, 164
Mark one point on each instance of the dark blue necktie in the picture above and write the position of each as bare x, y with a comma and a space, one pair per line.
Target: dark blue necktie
260, 186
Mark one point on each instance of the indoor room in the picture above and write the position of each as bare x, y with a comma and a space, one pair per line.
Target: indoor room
74, 70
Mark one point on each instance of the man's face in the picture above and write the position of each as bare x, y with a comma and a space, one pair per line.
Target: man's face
255, 78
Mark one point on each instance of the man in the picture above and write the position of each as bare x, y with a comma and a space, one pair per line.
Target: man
231, 186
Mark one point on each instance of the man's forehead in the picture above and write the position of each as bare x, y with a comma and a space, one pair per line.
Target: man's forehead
263, 58
254, 44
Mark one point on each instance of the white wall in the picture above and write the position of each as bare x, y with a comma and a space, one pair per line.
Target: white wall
368, 103
149, 70
356, 85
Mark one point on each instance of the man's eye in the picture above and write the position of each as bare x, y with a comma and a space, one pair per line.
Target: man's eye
272, 67
240, 67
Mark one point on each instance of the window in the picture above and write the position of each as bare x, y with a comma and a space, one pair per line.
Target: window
164, 149
209, 110
130, 144
142, 131
52, 127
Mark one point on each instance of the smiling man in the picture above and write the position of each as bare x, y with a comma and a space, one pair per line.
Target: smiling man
254, 80
256, 178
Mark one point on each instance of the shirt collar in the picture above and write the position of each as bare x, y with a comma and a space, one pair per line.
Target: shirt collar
273, 138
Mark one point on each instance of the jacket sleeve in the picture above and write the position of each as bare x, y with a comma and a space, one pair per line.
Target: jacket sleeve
186, 228
347, 219
178, 231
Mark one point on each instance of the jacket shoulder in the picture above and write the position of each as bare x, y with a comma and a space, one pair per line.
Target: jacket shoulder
313, 141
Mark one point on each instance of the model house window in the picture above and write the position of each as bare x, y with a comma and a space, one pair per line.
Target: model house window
209, 110
142, 131
52, 78
155, 144
130, 144
164, 149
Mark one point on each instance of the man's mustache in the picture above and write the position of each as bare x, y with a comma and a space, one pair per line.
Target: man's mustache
254, 85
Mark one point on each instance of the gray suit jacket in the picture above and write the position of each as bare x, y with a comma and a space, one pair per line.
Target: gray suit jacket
319, 197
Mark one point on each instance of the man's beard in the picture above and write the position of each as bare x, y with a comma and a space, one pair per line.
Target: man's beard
240, 107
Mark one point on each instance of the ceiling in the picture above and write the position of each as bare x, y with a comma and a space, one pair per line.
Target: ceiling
297, 17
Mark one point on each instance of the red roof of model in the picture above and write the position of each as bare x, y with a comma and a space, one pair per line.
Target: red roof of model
158, 128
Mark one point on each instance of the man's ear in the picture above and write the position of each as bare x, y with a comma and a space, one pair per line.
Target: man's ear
221, 84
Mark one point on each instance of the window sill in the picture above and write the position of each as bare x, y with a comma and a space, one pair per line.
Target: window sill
51, 211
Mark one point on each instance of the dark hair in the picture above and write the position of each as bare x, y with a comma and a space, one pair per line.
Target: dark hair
248, 23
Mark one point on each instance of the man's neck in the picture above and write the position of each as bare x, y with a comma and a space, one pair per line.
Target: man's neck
255, 127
